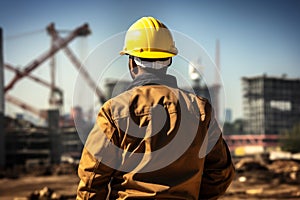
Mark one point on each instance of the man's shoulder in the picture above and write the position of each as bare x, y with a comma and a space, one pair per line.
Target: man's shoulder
118, 105
124, 99
194, 95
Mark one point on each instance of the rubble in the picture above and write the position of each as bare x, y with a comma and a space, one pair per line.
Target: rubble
28, 187
48, 194
45, 193
257, 179
285, 166
247, 164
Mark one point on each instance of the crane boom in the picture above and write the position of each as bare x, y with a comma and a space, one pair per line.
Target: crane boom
32, 77
54, 89
84, 29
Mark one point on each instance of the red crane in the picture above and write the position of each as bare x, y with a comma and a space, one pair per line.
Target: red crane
57, 44
35, 63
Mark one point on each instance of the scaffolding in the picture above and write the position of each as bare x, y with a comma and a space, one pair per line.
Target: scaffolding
270, 104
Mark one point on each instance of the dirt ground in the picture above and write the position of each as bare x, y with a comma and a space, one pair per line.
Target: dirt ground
260, 191
18, 189
254, 180
14, 189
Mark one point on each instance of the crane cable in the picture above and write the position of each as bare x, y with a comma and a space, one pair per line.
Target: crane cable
24, 34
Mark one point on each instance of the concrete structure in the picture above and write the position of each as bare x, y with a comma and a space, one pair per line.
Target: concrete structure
28, 144
25, 143
271, 104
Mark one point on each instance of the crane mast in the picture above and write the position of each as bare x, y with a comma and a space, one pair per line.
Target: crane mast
79, 66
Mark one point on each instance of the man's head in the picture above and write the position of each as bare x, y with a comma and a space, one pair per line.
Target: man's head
150, 46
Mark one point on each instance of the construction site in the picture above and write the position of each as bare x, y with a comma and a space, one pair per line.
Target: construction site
39, 161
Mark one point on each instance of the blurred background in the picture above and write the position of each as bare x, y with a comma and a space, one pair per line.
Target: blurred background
59, 63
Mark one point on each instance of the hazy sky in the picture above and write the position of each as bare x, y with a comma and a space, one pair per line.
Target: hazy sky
255, 36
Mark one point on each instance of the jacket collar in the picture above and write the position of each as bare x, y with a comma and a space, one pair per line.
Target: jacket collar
153, 79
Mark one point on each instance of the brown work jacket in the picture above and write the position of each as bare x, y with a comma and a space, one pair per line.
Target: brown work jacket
155, 141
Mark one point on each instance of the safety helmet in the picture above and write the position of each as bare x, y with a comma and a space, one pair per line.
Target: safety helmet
149, 38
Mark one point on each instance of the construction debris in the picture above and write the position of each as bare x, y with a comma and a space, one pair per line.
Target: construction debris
48, 194
256, 179
282, 171
45, 193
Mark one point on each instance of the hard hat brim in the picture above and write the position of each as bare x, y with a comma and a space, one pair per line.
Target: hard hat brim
148, 54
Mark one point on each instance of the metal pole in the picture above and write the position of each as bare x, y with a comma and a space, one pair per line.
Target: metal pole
2, 110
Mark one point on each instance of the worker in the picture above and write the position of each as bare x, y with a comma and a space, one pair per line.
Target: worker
154, 141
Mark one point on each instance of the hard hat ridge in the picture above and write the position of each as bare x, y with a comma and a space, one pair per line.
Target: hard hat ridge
149, 38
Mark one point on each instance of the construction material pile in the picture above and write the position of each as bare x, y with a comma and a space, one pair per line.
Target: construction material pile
280, 171
257, 179
48, 194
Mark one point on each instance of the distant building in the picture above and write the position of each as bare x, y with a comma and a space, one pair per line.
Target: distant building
271, 104
228, 115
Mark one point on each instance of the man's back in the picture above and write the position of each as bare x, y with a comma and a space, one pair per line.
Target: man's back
158, 132
162, 123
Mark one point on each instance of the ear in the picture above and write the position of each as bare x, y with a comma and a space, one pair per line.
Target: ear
133, 69
170, 62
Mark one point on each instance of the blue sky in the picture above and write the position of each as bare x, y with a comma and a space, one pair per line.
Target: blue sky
256, 37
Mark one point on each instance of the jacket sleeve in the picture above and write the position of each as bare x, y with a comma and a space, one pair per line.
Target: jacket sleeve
218, 171
95, 175
94, 178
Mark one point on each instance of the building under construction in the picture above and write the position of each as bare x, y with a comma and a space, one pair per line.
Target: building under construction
271, 104
27, 144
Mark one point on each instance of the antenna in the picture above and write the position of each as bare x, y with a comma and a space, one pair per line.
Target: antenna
217, 61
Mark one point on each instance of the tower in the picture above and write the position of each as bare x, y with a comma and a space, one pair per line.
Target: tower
215, 88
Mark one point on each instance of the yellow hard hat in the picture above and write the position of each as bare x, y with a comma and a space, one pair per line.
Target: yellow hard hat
149, 38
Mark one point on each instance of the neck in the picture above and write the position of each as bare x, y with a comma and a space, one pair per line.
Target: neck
153, 79
156, 72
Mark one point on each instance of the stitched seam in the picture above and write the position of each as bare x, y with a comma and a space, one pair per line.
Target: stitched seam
92, 178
